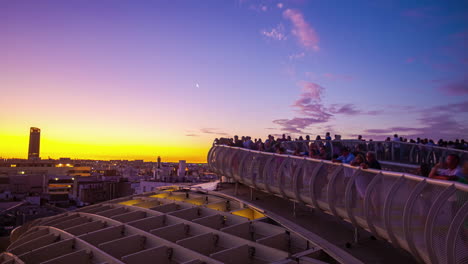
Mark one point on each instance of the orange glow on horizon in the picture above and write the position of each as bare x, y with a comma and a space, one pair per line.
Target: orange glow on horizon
14, 146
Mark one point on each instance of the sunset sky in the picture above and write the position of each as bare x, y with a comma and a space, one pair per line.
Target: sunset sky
138, 79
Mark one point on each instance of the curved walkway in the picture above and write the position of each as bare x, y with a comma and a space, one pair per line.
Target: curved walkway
423, 216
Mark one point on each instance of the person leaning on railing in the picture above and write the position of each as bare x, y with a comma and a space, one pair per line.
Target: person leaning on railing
371, 161
448, 170
346, 156
358, 160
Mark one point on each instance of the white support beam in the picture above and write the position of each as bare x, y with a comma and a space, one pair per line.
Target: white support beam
86, 228
124, 246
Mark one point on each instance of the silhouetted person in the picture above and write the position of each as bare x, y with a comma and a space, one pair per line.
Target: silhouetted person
448, 170
371, 162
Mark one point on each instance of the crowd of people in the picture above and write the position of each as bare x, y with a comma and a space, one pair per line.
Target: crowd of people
271, 144
450, 169
457, 144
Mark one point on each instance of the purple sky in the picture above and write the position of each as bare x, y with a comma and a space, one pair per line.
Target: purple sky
179, 73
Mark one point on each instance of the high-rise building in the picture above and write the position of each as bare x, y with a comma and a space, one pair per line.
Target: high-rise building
34, 143
182, 167
159, 162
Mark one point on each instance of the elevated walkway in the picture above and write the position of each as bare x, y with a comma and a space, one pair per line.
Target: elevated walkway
425, 217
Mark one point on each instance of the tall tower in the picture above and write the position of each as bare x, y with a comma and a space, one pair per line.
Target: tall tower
159, 162
34, 142
181, 170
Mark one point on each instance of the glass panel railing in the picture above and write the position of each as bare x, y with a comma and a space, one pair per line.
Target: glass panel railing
426, 217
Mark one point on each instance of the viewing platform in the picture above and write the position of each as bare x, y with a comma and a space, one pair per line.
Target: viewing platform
426, 217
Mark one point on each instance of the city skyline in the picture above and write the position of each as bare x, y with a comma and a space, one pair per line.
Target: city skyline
140, 80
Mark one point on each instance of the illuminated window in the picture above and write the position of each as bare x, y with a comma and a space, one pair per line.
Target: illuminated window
13, 165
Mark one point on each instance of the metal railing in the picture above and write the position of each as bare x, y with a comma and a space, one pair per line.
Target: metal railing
394, 151
428, 218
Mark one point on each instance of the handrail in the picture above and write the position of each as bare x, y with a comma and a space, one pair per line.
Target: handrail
380, 141
377, 201
397, 151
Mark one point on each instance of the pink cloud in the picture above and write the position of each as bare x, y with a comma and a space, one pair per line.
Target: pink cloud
311, 90
212, 131
455, 88
309, 104
280, 5
277, 33
346, 109
296, 125
305, 34
410, 60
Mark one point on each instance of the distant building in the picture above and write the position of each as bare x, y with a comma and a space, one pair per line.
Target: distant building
89, 192
182, 168
147, 186
43, 167
34, 143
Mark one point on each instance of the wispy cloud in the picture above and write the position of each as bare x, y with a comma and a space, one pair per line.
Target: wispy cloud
312, 75
309, 104
280, 5
304, 33
454, 88
296, 125
311, 91
312, 110
390, 130
213, 131
277, 33
410, 60
336, 77
290, 71
350, 109
347, 109
258, 8
461, 107
296, 56
435, 122
192, 135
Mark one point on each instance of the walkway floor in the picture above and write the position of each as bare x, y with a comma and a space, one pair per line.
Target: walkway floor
330, 228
